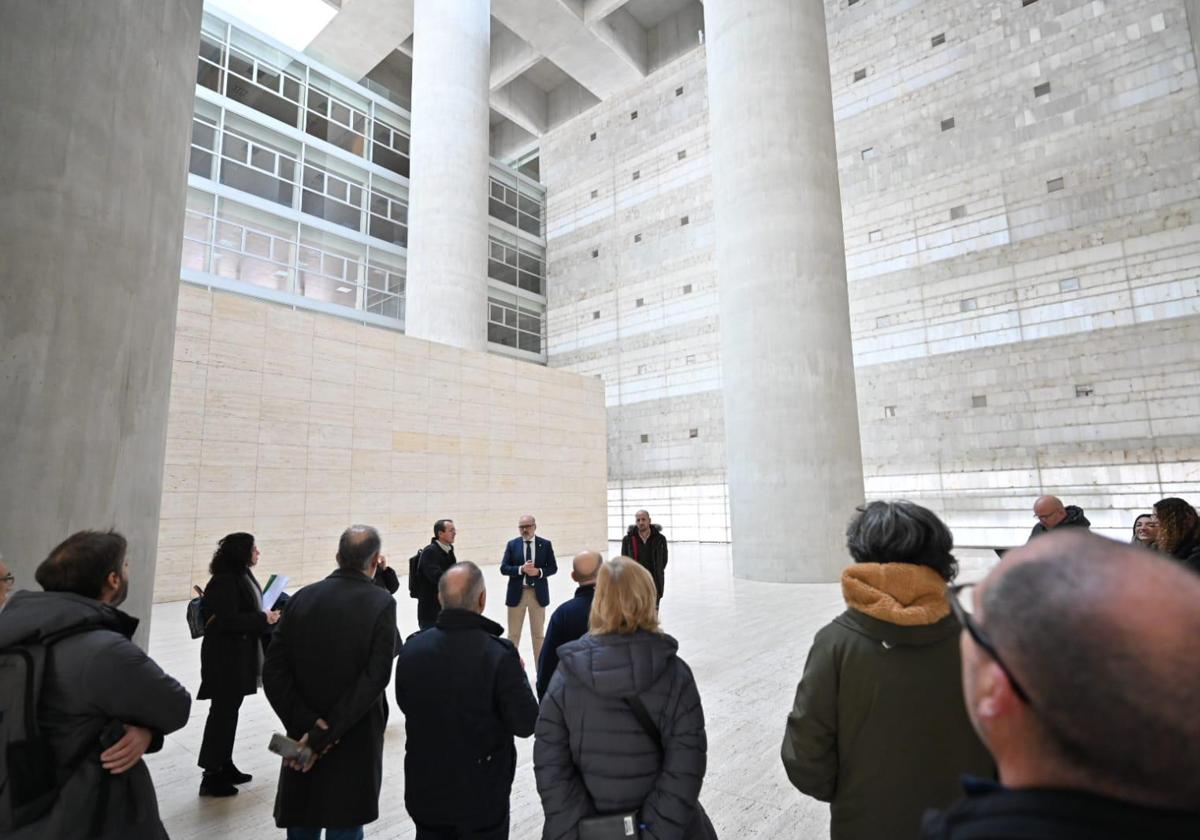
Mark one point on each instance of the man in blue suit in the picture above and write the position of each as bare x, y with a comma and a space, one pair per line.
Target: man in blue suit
528, 561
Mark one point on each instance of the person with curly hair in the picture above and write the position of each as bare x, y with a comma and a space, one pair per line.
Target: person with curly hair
1178, 531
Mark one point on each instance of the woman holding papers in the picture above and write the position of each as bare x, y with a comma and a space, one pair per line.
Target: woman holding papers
230, 656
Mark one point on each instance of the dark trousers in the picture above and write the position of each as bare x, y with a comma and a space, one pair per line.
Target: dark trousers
428, 610
216, 750
452, 832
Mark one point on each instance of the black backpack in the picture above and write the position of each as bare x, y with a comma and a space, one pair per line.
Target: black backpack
27, 783
414, 573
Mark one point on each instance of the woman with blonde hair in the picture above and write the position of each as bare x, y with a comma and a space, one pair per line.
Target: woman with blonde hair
620, 736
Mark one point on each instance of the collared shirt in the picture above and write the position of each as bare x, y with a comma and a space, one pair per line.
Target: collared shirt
446, 547
532, 544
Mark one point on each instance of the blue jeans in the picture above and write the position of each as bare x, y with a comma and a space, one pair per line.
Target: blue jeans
330, 833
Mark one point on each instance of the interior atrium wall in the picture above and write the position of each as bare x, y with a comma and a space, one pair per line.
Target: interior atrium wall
293, 424
1021, 198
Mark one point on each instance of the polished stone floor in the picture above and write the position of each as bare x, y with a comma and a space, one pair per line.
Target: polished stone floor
746, 643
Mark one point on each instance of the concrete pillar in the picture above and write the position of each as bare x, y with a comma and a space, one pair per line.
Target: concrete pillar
791, 419
97, 104
446, 293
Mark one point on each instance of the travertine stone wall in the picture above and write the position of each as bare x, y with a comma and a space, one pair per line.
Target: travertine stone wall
1013, 333
293, 425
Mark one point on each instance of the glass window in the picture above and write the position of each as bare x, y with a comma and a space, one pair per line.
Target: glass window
337, 120
330, 268
203, 149
514, 324
255, 167
384, 294
331, 196
210, 67
253, 247
261, 85
388, 218
389, 148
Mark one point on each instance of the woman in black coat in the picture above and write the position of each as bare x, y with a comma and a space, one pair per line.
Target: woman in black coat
611, 765
230, 656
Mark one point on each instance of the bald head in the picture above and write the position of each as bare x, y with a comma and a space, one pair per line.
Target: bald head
1102, 637
1050, 511
461, 587
585, 567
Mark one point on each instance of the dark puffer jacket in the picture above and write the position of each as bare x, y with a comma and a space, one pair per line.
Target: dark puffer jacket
651, 554
1075, 519
591, 756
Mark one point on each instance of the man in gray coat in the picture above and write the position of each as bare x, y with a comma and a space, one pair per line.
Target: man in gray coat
98, 681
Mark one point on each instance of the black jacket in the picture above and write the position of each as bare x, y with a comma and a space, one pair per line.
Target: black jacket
591, 756
1075, 519
464, 695
231, 653
331, 658
993, 812
434, 561
652, 554
386, 579
569, 622
94, 677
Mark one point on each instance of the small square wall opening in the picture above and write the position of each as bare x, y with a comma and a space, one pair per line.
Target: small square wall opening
968, 305
687, 288
639, 302
883, 321
979, 401
947, 123
679, 91
937, 40
689, 359
637, 173
860, 74
1041, 90
683, 220
1084, 390
889, 411
868, 153
875, 236
596, 315
641, 369
1027, 3
1054, 185
595, 193
681, 154
592, 138
645, 438
595, 253
693, 433
958, 211
637, 237
633, 115
1068, 284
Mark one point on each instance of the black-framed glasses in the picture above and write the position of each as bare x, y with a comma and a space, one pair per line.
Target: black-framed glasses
9, 579
965, 618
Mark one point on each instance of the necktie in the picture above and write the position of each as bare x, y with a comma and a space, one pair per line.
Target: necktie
528, 559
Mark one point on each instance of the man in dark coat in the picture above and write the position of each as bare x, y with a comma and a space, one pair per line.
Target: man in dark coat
97, 678
437, 557
1051, 513
325, 674
1082, 676
528, 560
570, 620
645, 543
465, 696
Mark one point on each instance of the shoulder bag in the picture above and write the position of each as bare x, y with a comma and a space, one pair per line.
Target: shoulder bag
624, 825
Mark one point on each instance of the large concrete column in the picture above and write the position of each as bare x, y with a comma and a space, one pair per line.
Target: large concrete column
791, 420
96, 101
446, 293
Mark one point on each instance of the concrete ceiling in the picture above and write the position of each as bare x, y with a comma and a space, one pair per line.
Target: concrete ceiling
551, 59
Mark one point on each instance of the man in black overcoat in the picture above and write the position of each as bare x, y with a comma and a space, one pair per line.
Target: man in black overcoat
465, 696
325, 675
437, 557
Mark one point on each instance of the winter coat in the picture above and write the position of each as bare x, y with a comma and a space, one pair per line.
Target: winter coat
231, 653
879, 728
331, 658
465, 696
434, 561
993, 812
95, 677
592, 757
569, 622
652, 554
1075, 519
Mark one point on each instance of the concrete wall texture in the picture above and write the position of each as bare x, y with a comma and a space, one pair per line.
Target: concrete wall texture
1023, 264
97, 101
292, 425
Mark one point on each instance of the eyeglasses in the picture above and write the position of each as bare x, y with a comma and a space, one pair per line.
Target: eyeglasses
963, 614
9, 579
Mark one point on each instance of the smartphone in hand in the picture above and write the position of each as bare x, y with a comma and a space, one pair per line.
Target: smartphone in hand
285, 747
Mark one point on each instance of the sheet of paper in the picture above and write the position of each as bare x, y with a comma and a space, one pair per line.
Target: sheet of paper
273, 590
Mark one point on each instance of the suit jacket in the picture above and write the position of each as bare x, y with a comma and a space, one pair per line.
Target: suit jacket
514, 559
331, 658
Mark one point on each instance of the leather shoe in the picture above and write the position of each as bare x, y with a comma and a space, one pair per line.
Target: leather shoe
234, 775
212, 784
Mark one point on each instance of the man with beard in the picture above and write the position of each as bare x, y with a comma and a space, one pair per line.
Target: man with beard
104, 702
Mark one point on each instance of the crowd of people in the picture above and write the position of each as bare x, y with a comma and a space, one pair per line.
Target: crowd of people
1055, 698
